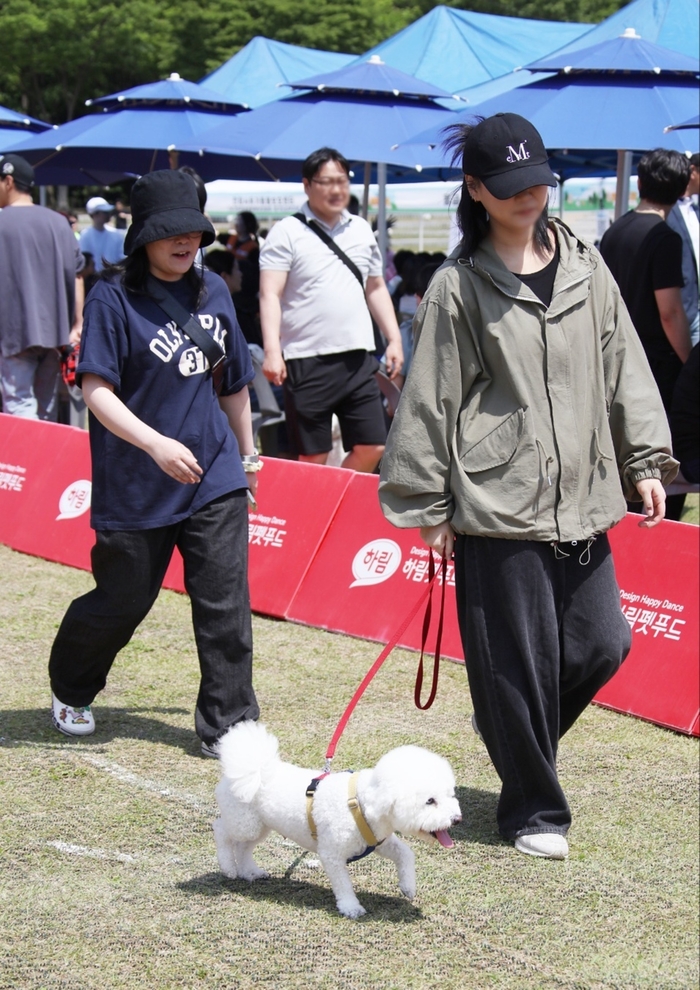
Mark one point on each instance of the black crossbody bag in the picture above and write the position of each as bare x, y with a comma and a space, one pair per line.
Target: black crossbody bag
213, 352
329, 242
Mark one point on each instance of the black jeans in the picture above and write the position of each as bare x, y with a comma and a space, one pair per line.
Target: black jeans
128, 568
542, 633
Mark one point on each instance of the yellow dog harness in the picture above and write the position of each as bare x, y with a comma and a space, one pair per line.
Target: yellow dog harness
355, 810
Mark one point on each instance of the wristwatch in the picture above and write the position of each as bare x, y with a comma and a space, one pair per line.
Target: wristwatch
251, 462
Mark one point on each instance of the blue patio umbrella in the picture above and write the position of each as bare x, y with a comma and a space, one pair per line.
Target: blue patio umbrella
627, 53
107, 146
257, 73
16, 127
362, 110
586, 114
12, 120
690, 124
169, 93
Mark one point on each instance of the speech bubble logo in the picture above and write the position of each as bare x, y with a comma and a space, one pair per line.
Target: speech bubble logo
375, 562
75, 500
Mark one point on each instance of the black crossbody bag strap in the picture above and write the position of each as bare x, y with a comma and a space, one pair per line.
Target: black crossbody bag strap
312, 225
213, 352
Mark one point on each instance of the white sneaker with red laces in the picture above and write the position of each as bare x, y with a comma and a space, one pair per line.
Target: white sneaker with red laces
72, 721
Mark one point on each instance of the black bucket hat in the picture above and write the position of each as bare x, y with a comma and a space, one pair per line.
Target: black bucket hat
507, 154
165, 204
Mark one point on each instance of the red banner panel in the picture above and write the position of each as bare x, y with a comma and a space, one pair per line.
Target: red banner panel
45, 488
657, 571
322, 553
296, 505
367, 576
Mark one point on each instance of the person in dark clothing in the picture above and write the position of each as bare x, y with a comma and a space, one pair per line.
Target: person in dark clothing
243, 281
172, 463
528, 410
645, 257
685, 417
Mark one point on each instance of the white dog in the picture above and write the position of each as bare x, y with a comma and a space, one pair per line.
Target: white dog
410, 790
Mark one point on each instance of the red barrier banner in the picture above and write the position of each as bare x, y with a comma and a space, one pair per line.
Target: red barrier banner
657, 571
45, 488
322, 553
367, 575
296, 504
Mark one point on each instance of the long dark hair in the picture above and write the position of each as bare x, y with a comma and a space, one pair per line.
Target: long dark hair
472, 218
133, 272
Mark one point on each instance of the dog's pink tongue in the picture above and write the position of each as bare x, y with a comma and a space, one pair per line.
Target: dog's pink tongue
444, 838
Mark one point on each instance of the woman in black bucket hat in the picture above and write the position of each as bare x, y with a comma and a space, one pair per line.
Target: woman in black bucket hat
173, 462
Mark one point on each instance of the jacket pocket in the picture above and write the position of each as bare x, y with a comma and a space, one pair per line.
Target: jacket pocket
497, 447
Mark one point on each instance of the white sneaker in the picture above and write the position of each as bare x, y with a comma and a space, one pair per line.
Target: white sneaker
550, 845
72, 721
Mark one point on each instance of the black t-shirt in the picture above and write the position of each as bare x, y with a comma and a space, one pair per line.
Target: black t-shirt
644, 255
542, 282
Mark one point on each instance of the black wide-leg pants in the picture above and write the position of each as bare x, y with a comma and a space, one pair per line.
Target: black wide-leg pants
128, 568
542, 633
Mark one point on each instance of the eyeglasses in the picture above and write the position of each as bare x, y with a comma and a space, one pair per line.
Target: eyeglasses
327, 183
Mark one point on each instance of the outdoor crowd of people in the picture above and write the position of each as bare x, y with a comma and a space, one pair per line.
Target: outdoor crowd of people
538, 379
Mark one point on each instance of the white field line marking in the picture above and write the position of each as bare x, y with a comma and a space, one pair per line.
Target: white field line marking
72, 850
125, 776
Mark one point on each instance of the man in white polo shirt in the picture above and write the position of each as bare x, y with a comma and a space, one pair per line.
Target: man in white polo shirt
316, 314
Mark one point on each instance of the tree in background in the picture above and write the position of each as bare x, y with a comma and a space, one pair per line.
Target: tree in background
55, 55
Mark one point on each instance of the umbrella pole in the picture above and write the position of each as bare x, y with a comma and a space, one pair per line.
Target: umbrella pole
381, 211
622, 189
365, 192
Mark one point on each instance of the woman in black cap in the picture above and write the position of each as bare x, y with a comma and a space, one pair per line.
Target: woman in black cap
528, 411
173, 462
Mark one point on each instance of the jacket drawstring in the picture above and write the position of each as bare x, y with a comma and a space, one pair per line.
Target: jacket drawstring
599, 454
547, 461
584, 557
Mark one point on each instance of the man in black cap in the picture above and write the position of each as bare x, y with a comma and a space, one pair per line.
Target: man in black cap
39, 263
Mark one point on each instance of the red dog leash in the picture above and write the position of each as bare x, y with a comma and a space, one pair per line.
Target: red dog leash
427, 593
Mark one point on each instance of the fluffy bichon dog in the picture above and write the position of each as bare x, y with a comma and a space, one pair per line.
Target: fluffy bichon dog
340, 816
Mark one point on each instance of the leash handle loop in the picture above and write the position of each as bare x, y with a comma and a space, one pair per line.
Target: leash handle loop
432, 574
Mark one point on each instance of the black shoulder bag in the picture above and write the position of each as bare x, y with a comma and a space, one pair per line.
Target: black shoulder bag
213, 352
329, 242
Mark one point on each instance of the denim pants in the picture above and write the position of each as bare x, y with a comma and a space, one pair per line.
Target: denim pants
128, 568
29, 383
542, 633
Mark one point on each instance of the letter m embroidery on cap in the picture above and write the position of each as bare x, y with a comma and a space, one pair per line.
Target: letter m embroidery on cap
517, 156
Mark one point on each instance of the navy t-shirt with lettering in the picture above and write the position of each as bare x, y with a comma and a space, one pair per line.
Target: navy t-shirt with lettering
163, 378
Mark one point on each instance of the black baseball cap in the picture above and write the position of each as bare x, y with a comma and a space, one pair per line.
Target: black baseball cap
507, 154
18, 167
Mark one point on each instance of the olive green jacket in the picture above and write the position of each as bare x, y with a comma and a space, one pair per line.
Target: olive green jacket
523, 421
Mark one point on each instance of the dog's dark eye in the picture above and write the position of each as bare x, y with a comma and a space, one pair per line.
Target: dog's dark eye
431, 801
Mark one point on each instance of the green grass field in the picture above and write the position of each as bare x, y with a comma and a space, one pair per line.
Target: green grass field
109, 874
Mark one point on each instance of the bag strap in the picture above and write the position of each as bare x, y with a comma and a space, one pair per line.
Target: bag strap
213, 352
329, 242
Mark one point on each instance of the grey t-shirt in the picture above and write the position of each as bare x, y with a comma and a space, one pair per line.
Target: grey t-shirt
39, 259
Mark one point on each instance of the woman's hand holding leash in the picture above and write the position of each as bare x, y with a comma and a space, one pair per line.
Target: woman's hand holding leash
654, 501
440, 538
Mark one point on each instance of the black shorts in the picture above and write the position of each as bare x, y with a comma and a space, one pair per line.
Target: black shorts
344, 384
